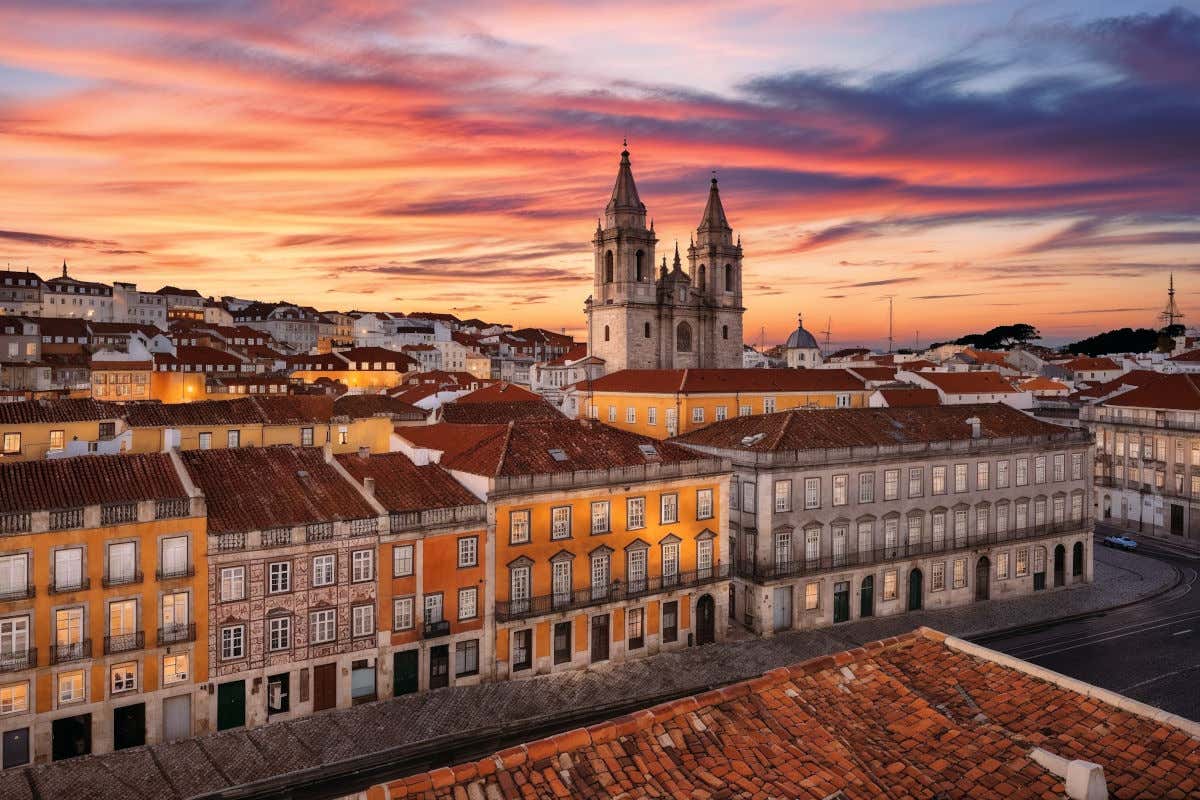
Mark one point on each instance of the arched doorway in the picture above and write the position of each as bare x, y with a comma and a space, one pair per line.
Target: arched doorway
983, 573
1060, 565
866, 597
914, 590
706, 620
1077, 560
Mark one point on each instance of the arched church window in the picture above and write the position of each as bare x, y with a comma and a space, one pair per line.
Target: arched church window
683, 338
646, 330
606, 333
724, 331
640, 259
729, 277
608, 267
701, 282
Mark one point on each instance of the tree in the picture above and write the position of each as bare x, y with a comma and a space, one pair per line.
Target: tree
1122, 340
1000, 337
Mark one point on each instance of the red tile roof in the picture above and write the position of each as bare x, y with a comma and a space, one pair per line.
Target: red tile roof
987, 357
981, 382
917, 715
808, 429
486, 413
359, 406
902, 397
500, 393
61, 483
251, 410
28, 412
712, 381
1174, 391
1136, 377
256, 488
875, 373
1090, 364
1189, 356
401, 485
188, 354
449, 438
1041, 383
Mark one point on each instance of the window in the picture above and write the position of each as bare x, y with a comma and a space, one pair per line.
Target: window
468, 553
279, 633
12, 443
768, 405
635, 623
173, 608
960, 477
402, 560
960, 527
735, 493
600, 516
812, 596
599, 575
71, 687
1077, 464
840, 490
57, 440
1001, 519
306, 437
891, 533
891, 484
560, 524
722, 413
402, 614
324, 625
277, 694
175, 556
14, 698
744, 411
14, 575
704, 504
122, 562
981, 521
362, 621
522, 649
889, 584
1001, 474
669, 509
635, 569
812, 546
122, 617
866, 487
839, 545
812, 493
518, 526
939, 479
698, 414
670, 561
1002, 565
561, 585
631, 415
233, 642
68, 568
467, 607
344, 433
749, 500
1022, 471
233, 438
279, 577
206, 440
466, 658
981, 475
939, 529
324, 570
1039, 469
1022, 562
960, 573
612, 413
562, 642
937, 576
670, 621
1060, 467
916, 481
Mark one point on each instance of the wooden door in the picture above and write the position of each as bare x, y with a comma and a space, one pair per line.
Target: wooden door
324, 686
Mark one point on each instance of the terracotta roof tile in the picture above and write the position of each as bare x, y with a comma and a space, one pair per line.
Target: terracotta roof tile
1090, 363
67, 410
87, 480
256, 488
368, 405
475, 413
1136, 377
1175, 391
709, 381
981, 382
913, 396
264, 410
500, 393
401, 485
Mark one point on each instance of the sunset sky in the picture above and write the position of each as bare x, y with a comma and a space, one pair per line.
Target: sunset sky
985, 162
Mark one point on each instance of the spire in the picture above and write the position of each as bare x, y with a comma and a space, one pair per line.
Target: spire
64, 268
625, 193
664, 267
677, 266
714, 212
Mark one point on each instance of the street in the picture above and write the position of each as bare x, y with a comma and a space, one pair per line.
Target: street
1149, 651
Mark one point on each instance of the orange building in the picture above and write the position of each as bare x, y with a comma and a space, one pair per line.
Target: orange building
604, 544
662, 403
360, 369
432, 572
101, 577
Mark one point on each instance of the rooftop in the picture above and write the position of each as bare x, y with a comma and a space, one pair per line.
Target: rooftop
368, 405
258, 488
815, 429
28, 412
908, 396
981, 382
500, 393
1090, 364
401, 485
474, 413
250, 410
712, 381
64, 483
1179, 391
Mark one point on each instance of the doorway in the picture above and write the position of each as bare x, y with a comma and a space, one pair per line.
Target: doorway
129, 726
600, 638
405, 672
71, 737
324, 686
1060, 565
439, 666
706, 620
1176, 519
1077, 560
914, 590
983, 573
177, 717
231, 705
782, 608
16, 747
866, 598
841, 602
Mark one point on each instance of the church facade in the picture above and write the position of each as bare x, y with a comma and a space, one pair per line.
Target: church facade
638, 319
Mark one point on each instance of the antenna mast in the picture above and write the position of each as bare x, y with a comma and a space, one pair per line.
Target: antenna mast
1171, 313
891, 342
828, 332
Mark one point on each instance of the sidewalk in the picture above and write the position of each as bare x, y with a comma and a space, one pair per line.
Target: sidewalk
209, 763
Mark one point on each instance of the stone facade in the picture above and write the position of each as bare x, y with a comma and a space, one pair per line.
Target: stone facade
678, 320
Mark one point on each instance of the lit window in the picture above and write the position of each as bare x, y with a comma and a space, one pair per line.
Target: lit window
518, 526
669, 509
71, 687
14, 698
467, 602
812, 596
704, 503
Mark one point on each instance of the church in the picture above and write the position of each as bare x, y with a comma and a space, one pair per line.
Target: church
675, 319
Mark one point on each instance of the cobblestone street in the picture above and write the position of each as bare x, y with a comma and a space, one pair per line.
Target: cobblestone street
217, 761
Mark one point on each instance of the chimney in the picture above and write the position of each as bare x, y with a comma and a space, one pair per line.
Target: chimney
976, 427
369, 486
328, 452
1083, 779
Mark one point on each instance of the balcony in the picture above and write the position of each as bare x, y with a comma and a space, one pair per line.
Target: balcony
17, 593
434, 630
118, 513
174, 634
761, 573
66, 519
507, 610
170, 509
62, 653
74, 585
124, 579
172, 573
124, 642
14, 523
18, 660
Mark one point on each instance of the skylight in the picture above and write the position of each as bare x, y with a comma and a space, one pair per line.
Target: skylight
648, 450
557, 454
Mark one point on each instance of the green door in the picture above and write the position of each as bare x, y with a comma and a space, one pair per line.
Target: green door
231, 705
405, 666
841, 602
867, 597
914, 590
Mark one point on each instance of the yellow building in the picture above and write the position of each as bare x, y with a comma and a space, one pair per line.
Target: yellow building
36, 429
102, 594
121, 380
605, 545
360, 369
661, 403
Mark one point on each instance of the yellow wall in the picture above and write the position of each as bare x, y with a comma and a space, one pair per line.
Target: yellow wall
178, 387
121, 384
686, 405
355, 379
372, 432
35, 437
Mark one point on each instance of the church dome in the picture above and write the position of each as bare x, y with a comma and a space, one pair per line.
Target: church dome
801, 339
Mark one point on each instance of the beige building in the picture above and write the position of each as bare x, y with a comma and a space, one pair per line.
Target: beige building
844, 514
